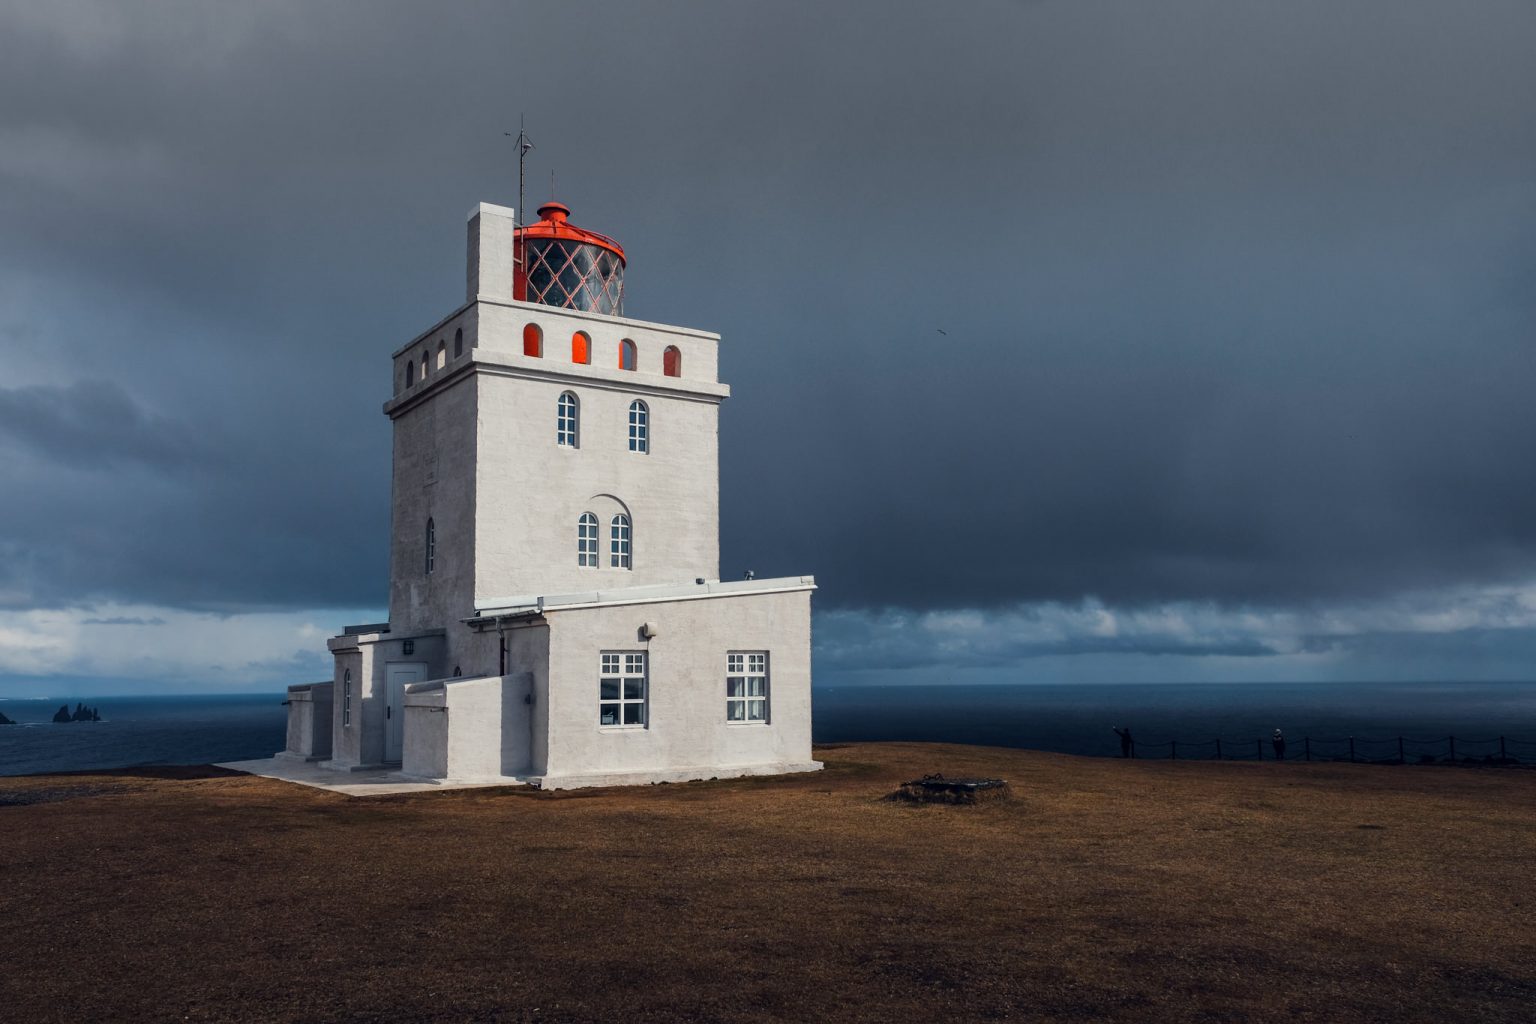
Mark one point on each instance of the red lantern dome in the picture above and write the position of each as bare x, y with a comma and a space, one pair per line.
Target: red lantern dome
560, 264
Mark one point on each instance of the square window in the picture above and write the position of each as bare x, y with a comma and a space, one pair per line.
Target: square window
746, 687
621, 690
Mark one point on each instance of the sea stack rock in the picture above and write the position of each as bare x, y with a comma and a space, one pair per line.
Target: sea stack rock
62, 715
4, 720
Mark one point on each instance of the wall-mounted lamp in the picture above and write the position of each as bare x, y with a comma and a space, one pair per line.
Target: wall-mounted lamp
648, 630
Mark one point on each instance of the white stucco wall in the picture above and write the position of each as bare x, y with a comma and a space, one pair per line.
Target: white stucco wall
468, 729
686, 734
309, 722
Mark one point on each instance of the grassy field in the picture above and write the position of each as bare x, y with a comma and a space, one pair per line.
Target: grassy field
1105, 890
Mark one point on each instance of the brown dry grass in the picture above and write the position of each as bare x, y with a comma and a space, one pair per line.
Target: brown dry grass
1103, 891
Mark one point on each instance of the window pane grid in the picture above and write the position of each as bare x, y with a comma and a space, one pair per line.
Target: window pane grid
618, 543
746, 687
586, 540
566, 421
639, 427
621, 690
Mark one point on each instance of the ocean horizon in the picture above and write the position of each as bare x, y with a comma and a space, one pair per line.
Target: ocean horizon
1070, 718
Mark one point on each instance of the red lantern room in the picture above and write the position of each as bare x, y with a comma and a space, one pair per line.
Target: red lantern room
561, 264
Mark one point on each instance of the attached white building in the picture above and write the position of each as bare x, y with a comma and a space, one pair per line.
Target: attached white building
555, 609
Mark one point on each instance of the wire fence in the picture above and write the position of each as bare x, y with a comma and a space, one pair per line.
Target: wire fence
1486, 750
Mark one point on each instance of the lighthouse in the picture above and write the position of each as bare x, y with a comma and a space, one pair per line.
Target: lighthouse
556, 613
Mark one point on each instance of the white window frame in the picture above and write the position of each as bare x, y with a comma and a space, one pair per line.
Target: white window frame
746, 688
621, 532
346, 698
629, 676
568, 421
639, 427
586, 541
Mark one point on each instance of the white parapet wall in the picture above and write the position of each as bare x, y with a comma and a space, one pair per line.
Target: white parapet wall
309, 722
467, 730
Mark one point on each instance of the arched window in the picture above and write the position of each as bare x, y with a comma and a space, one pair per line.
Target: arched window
672, 362
626, 355
586, 540
581, 347
639, 427
442, 354
568, 420
426, 364
618, 542
458, 343
410, 372
533, 341
431, 546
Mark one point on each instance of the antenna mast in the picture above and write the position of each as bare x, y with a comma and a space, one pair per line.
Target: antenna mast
523, 146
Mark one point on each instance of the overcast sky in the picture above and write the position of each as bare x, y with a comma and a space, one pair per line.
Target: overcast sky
1188, 339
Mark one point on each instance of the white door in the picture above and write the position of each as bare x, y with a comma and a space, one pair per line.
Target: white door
396, 677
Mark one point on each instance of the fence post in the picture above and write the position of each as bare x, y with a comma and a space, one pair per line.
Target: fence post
1173, 750
1351, 750
1218, 748
1453, 749
1307, 742
1400, 759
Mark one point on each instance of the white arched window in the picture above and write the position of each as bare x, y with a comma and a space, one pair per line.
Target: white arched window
639, 427
431, 560
568, 420
442, 354
618, 543
586, 540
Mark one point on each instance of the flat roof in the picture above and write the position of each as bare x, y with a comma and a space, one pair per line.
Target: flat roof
538, 604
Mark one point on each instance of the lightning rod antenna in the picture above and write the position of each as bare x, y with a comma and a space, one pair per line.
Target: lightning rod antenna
524, 144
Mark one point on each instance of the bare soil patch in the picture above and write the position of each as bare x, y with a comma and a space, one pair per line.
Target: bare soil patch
1103, 890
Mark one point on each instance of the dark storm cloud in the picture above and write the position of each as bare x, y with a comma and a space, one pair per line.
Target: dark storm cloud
95, 424
1174, 302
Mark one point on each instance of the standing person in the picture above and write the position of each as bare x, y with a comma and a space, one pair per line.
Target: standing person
1127, 745
1278, 742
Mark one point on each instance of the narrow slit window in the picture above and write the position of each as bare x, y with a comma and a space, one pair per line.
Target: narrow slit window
586, 541
346, 698
618, 543
431, 559
458, 343
639, 427
568, 421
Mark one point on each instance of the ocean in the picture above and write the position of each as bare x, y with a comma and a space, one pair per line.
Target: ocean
1068, 718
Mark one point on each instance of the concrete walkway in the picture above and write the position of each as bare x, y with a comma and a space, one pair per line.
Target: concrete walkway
378, 782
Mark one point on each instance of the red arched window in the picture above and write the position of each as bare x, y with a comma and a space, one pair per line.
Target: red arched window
581, 348
533, 340
672, 362
626, 355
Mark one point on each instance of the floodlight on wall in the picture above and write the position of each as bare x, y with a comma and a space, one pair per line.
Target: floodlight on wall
648, 630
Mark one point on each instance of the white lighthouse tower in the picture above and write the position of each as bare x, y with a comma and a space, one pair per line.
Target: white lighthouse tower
555, 609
